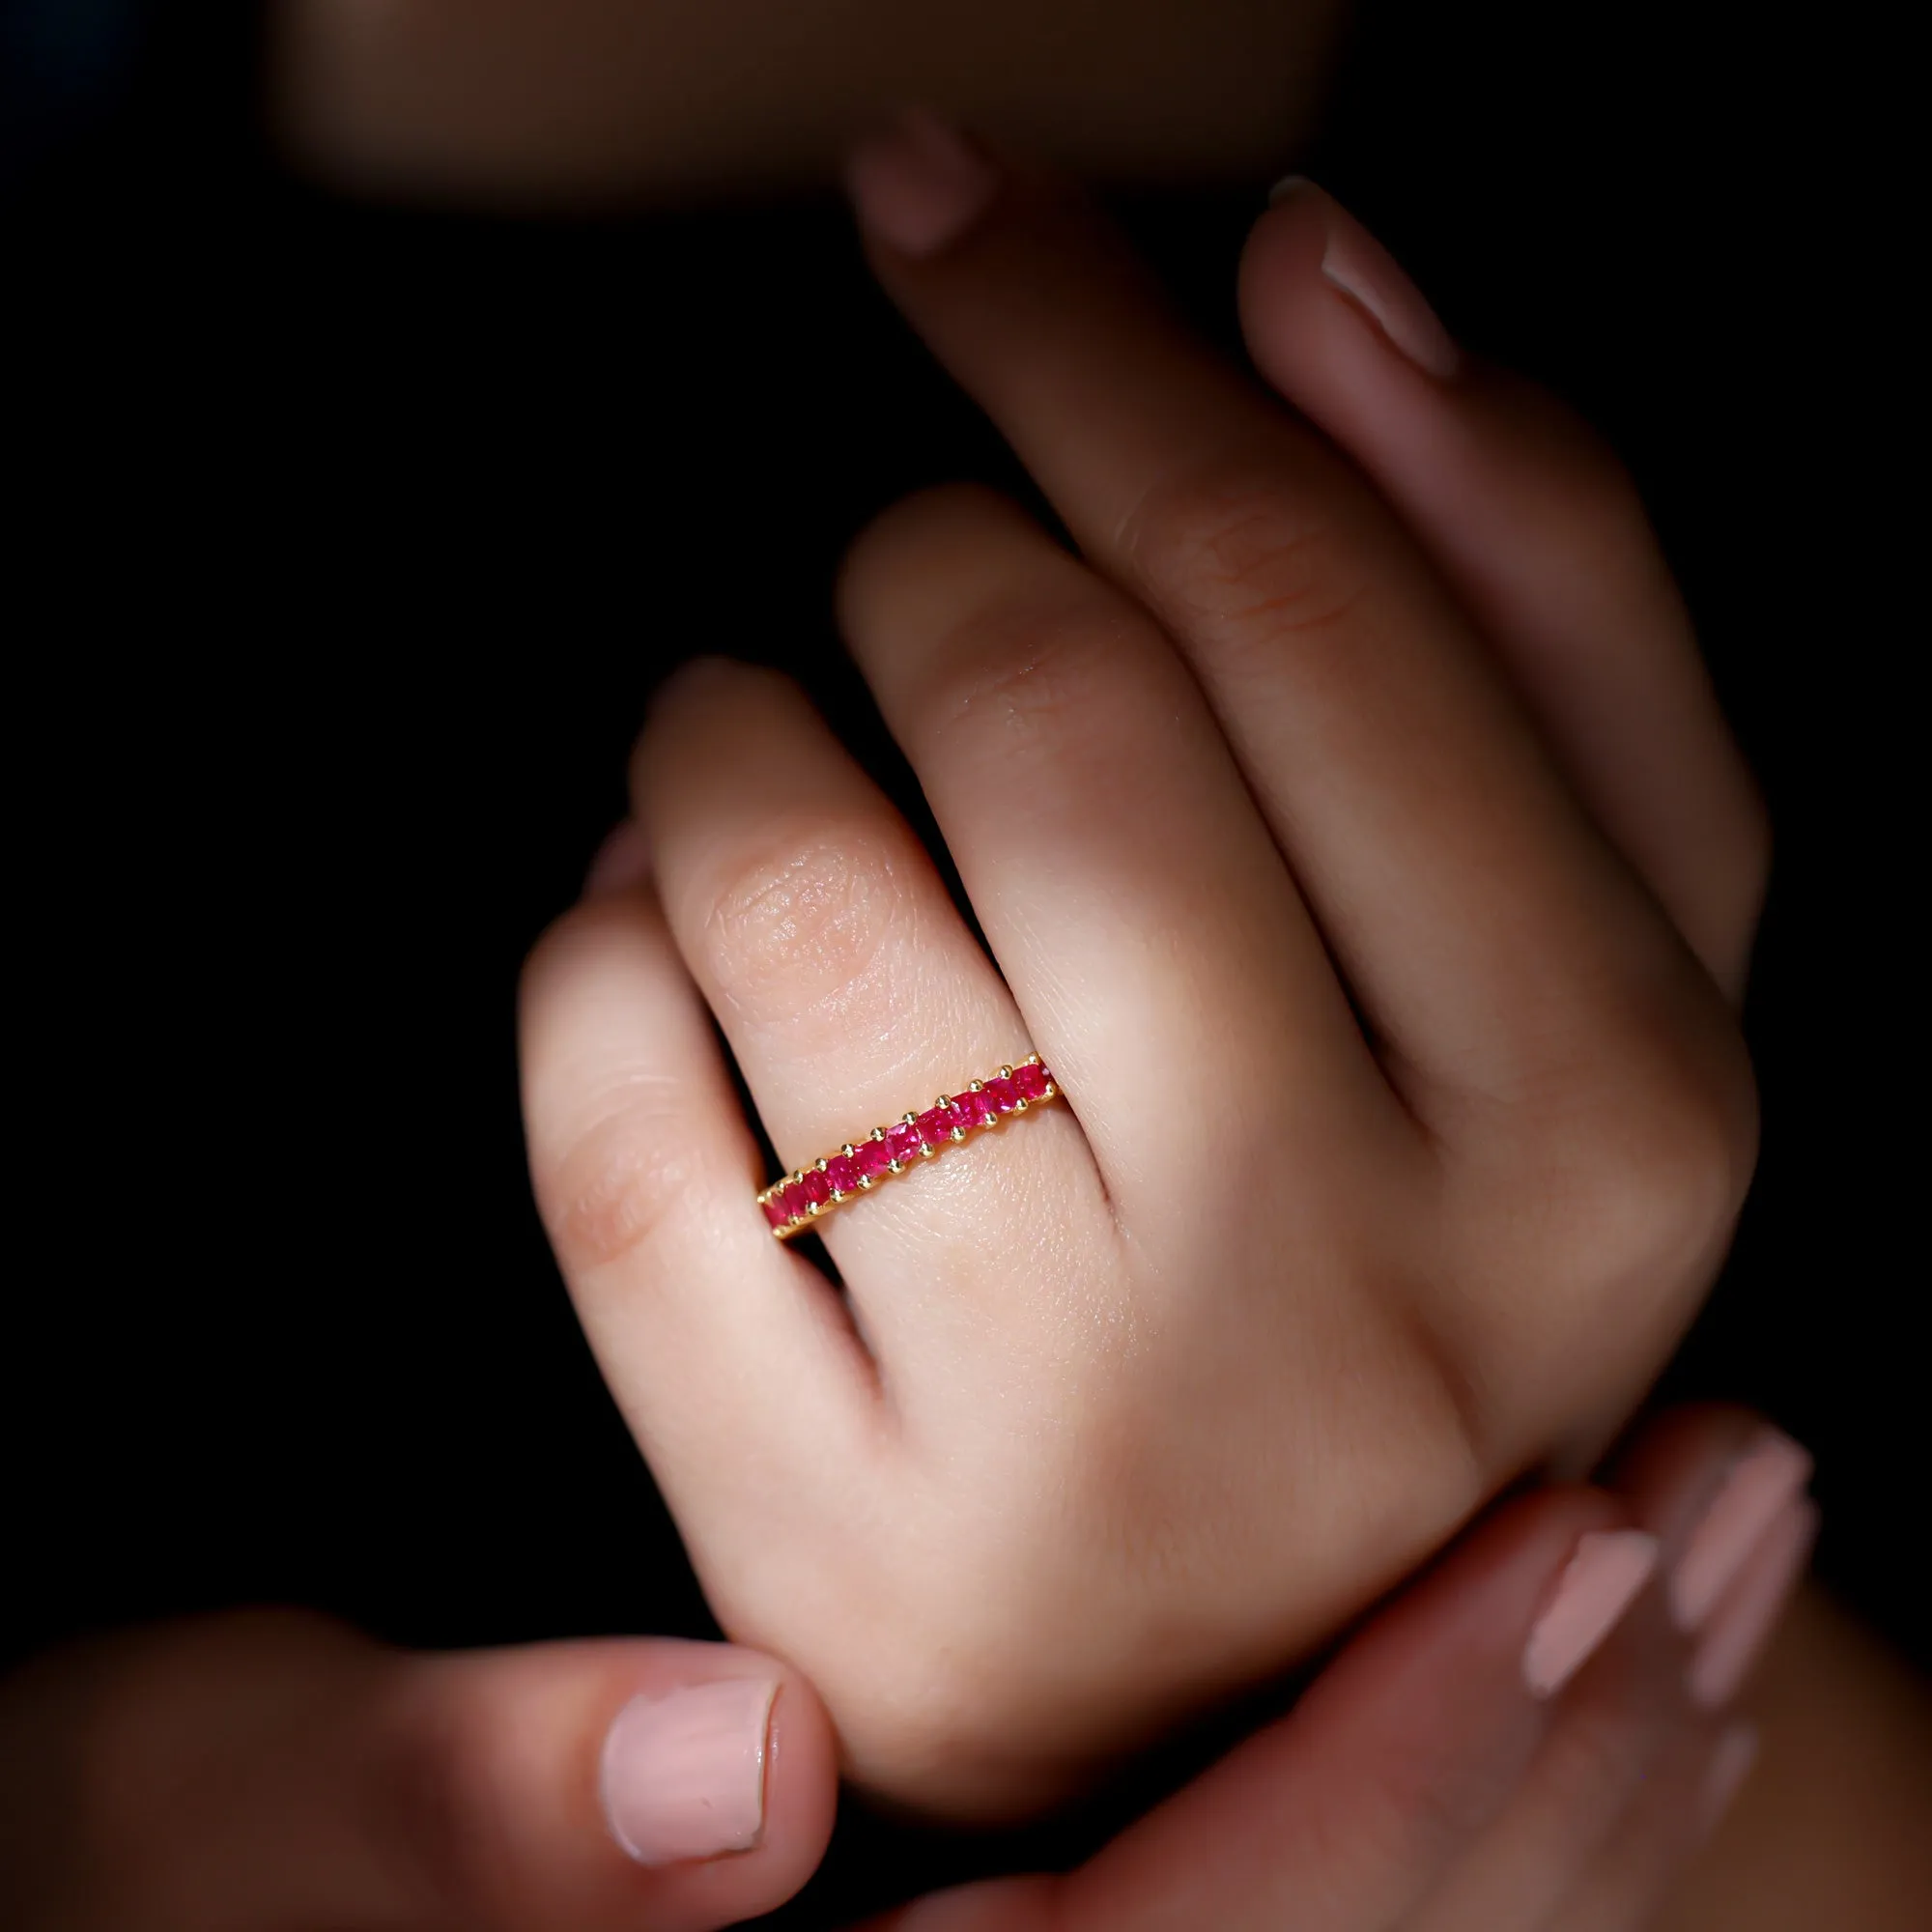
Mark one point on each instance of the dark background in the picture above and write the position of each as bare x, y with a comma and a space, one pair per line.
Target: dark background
345, 546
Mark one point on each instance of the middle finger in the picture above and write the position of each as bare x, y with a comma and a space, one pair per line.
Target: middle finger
1474, 910
1136, 904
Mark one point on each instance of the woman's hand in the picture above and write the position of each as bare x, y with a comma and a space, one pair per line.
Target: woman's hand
1357, 837
1509, 1747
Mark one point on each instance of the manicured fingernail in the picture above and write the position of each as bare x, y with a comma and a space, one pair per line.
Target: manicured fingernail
684, 1775
623, 861
920, 183
1771, 1471
1370, 276
1748, 1612
1602, 1580
1731, 1761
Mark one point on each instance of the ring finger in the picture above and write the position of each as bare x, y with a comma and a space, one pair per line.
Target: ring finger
1136, 903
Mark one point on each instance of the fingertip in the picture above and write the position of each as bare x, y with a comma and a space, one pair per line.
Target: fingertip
1311, 270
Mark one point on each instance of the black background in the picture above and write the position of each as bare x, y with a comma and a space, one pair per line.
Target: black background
346, 546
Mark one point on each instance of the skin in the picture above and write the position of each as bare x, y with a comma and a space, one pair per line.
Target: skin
358, 104
264, 1769
1098, 1441
686, 100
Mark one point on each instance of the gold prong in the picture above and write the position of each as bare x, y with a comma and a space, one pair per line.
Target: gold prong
1020, 1104
978, 1086
1006, 1073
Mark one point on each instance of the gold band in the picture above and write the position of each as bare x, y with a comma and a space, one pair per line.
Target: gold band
794, 1201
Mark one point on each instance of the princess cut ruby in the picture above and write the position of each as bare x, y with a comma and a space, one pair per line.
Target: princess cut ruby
935, 1126
795, 1201
1030, 1081
817, 1189
842, 1171
902, 1142
970, 1110
1002, 1094
776, 1211
869, 1160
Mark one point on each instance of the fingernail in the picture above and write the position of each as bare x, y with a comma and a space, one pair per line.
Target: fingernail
684, 1775
1370, 276
1771, 1471
920, 183
623, 861
1748, 1612
1731, 1760
1601, 1582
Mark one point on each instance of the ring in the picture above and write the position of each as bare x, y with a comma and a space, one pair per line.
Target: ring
794, 1201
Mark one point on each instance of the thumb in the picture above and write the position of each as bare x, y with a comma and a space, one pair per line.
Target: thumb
264, 1768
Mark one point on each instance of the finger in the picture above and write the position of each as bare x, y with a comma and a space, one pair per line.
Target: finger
1628, 1729
271, 1768
1623, 1720
1676, 1810
851, 992
1476, 912
1036, 702
1725, 1494
1347, 1813
1543, 536
731, 1359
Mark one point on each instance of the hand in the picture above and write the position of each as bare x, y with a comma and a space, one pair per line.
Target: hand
1355, 835
1506, 1748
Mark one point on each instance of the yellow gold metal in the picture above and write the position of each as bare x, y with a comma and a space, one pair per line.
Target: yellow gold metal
814, 1209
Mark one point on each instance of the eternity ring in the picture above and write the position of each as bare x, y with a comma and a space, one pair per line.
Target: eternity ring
794, 1201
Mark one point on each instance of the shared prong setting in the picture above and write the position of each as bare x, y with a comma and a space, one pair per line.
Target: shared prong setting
795, 1201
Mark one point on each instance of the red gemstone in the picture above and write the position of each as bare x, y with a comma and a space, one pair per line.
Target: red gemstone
935, 1126
795, 1201
776, 1211
869, 1160
817, 1189
1002, 1094
1030, 1081
842, 1172
902, 1142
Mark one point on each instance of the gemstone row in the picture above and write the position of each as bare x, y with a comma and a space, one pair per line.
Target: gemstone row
790, 1203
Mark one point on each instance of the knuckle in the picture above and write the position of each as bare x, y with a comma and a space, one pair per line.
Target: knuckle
800, 924
1028, 680
912, 560
440, 1797
607, 1185
1657, 1167
1247, 561
903, 530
